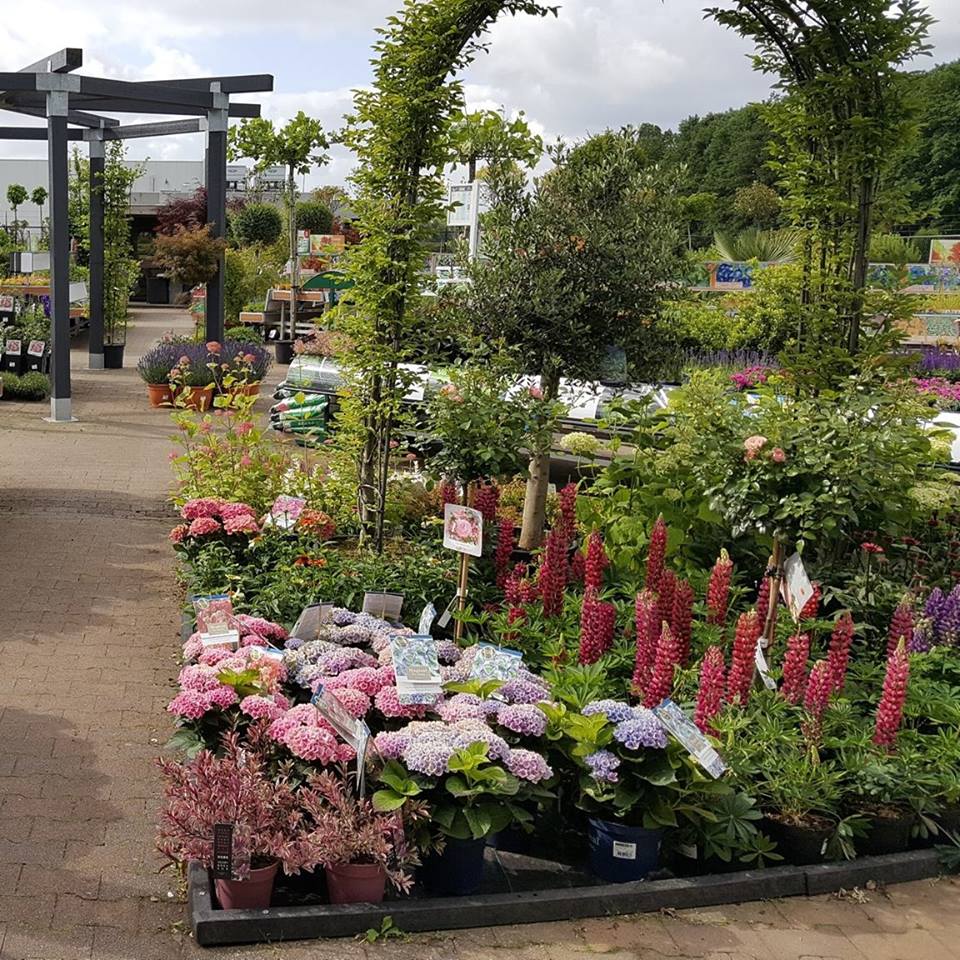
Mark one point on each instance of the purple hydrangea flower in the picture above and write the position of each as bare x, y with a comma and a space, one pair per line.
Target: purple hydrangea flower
523, 718
293, 643
528, 765
522, 691
641, 730
603, 766
342, 617
462, 706
466, 732
428, 755
391, 743
614, 710
448, 652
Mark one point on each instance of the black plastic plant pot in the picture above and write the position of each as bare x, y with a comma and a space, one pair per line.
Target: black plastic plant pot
887, 835
620, 853
113, 356
799, 844
283, 350
12, 363
458, 871
512, 840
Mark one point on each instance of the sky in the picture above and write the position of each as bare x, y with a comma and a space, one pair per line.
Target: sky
598, 64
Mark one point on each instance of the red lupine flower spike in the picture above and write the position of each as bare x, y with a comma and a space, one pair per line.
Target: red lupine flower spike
890, 708
657, 553
665, 664
710, 692
743, 662
794, 684
718, 590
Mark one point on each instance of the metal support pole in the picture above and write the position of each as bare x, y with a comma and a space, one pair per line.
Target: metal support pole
216, 182
474, 219
97, 161
57, 108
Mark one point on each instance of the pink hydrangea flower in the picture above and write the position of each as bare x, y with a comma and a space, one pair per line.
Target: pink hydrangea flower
242, 524
190, 704
224, 697
259, 708
202, 507
178, 533
229, 511
212, 656
778, 456
203, 526
387, 702
753, 445
311, 743
356, 702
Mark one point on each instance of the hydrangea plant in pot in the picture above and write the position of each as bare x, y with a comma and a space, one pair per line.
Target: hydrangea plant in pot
269, 828
360, 848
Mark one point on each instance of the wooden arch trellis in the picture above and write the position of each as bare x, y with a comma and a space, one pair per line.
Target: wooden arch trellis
71, 104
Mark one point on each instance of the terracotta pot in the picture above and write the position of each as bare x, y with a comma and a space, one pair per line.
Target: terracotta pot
251, 894
201, 398
356, 882
246, 390
160, 394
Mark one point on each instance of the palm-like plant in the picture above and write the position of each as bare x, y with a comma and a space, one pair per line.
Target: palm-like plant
767, 246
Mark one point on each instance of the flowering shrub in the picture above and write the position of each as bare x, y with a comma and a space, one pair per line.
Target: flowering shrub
944, 393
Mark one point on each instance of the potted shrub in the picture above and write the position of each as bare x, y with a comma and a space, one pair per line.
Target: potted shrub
155, 368
634, 783
193, 378
473, 791
269, 829
360, 849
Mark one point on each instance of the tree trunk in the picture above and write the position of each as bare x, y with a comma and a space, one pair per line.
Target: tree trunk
861, 256
294, 257
535, 499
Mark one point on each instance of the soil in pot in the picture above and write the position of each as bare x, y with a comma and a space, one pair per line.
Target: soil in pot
253, 893
621, 853
456, 872
800, 843
356, 882
889, 832
160, 394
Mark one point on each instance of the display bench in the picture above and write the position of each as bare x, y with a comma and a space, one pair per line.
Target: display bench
521, 889
79, 299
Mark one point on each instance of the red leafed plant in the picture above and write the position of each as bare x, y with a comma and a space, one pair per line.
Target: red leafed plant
839, 654
347, 829
656, 554
681, 622
268, 823
794, 684
901, 626
597, 623
890, 708
710, 692
743, 662
664, 666
718, 590
647, 626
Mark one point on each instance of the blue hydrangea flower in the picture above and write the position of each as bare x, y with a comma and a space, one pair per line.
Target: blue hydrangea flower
643, 729
614, 710
603, 766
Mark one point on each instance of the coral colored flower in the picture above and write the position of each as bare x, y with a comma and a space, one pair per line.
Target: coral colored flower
710, 692
664, 666
794, 684
243, 523
213, 346
890, 708
249, 358
718, 589
743, 663
752, 446
179, 532
203, 526
901, 627
202, 507
869, 547
777, 455
449, 391
839, 654
656, 554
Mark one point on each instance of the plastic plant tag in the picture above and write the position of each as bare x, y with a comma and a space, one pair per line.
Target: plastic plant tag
214, 613
14, 347
36, 348
417, 669
447, 614
463, 529
495, 663
762, 668
285, 512
223, 851
624, 851
386, 606
353, 731
796, 587
427, 616
229, 639
311, 619
683, 729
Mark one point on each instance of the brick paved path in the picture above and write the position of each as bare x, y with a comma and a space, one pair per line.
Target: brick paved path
87, 659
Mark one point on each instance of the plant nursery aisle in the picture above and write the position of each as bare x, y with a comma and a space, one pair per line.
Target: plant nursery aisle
89, 651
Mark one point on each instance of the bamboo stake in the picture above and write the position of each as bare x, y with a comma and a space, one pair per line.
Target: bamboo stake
461, 594
774, 573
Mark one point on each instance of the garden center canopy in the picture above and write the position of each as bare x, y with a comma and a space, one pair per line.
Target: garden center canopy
75, 108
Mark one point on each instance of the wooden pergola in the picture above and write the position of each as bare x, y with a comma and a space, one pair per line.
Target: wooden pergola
73, 106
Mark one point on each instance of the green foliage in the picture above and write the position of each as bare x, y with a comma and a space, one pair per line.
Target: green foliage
16, 196
249, 273
767, 246
758, 203
298, 145
27, 386
258, 223
120, 269
38, 196
487, 135
314, 216
892, 248
78, 202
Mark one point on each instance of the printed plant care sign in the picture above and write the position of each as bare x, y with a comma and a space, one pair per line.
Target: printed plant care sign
463, 529
680, 726
417, 668
214, 613
285, 512
796, 587
13, 347
495, 663
36, 348
6, 303
223, 851
386, 606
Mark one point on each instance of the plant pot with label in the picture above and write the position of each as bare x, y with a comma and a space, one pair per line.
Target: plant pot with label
160, 394
254, 893
620, 853
113, 356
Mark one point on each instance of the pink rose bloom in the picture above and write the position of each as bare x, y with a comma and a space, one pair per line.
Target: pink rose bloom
536, 393
178, 533
203, 526
463, 529
753, 445
777, 455
449, 391
213, 347
242, 429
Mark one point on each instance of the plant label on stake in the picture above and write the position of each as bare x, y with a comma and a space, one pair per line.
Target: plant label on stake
796, 587
463, 529
495, 663
285, 512
427, 616
760, 659
680, 726
417, 668
353, 731
223, 851
386, 606
311, 619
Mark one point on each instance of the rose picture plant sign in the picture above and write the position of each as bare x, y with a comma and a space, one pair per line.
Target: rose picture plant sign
463, 529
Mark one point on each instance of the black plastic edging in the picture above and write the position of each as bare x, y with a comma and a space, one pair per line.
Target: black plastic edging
212, 926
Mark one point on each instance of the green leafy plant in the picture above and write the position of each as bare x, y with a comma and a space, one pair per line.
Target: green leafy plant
258, 223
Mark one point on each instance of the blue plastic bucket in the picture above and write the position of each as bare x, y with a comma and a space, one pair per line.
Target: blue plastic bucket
456, 872
619, 854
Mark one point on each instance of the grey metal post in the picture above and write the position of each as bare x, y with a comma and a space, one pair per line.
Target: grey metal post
57, 106
97, 162
216, 181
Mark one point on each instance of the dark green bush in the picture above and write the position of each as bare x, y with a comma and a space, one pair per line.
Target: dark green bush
29, 386
314, 216
257, 223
